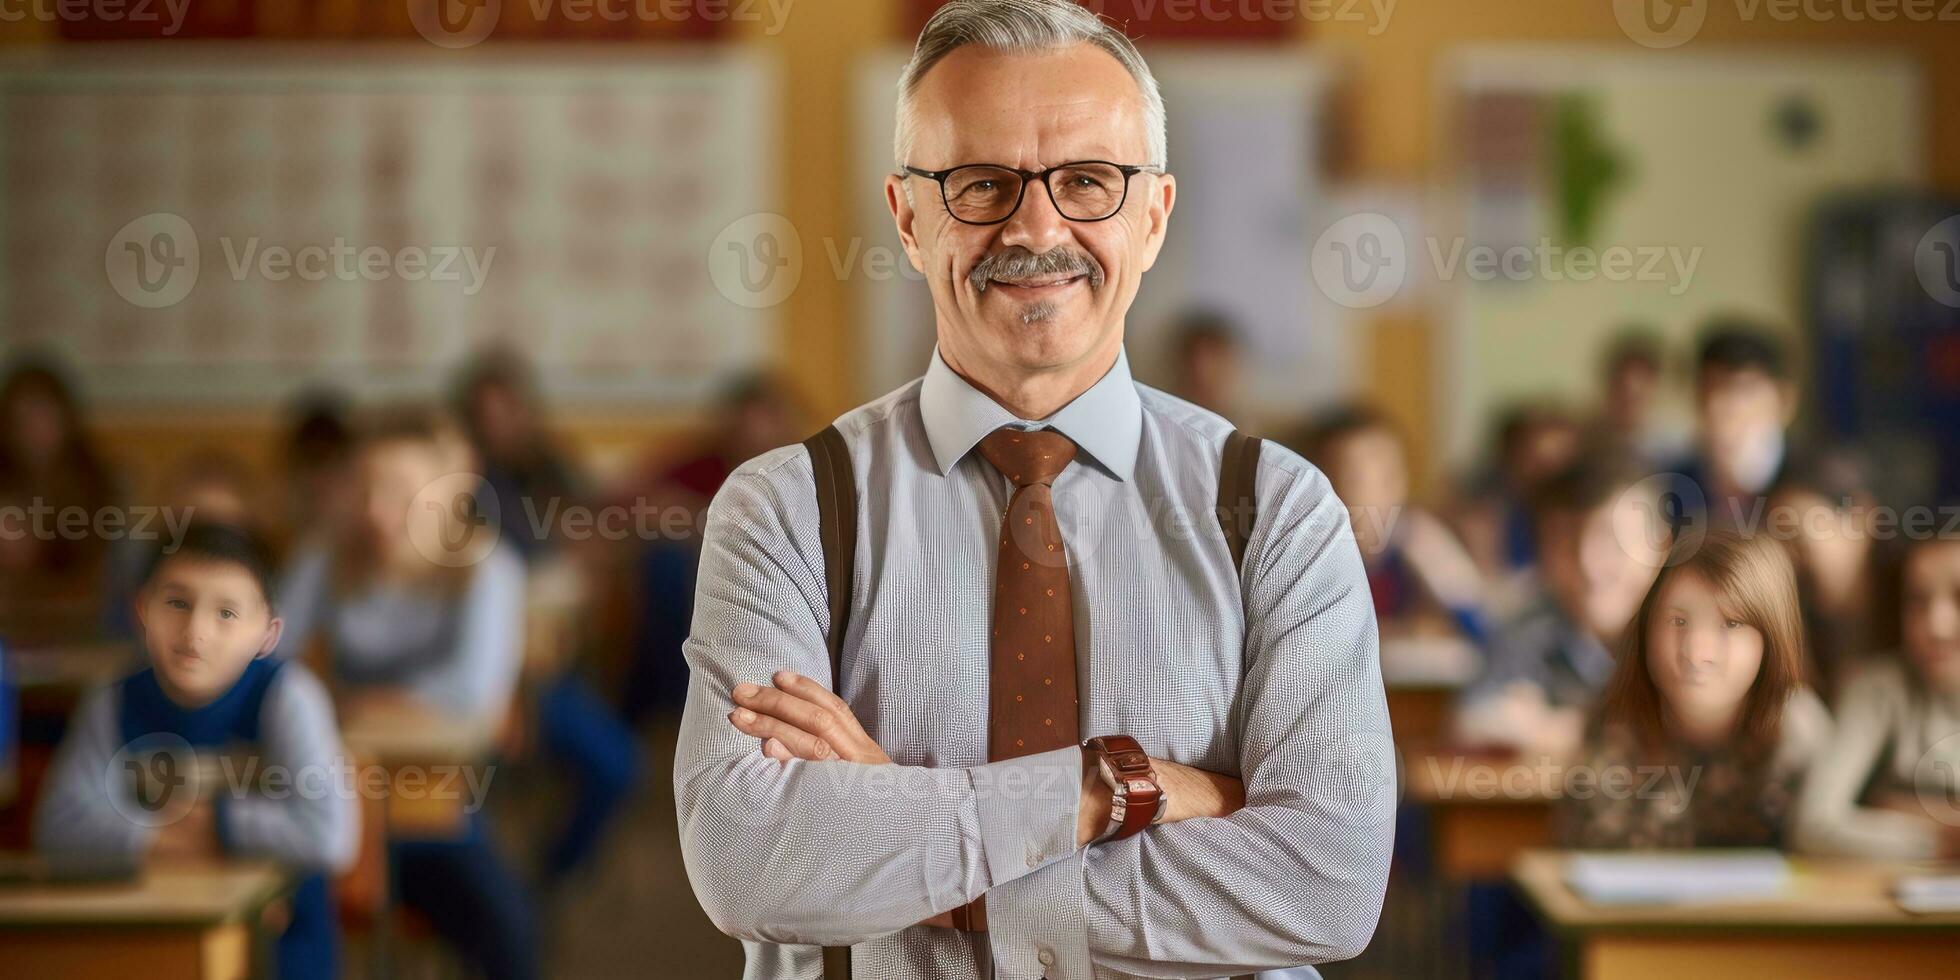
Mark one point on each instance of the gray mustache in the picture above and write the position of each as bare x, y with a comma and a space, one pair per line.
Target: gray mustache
1015, 262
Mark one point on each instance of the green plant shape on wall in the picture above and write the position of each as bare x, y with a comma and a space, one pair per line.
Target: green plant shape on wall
1585, 169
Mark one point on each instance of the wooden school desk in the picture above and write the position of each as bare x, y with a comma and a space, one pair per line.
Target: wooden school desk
1837, 920
423, 753
1483, 811
169, 923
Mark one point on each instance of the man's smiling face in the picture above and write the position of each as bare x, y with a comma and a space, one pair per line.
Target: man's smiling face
1036, 292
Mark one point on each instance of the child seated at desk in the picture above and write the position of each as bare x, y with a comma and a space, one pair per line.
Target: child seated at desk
1600, 540
1886, 787
1706, 727
209, 625
1414, 562
417, 606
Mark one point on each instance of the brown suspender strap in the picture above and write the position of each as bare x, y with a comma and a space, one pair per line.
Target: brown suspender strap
1238, 487
830, 464
1238, 505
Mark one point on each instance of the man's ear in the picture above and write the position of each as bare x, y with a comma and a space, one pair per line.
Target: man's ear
273, 631
1158, 215
904, 217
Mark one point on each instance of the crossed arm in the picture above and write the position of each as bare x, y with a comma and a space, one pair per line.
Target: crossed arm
1286, 868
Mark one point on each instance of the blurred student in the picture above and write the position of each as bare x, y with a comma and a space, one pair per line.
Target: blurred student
1632, 417
495, 397
1708, 690
322, 489
1534, 441
1825, 512
1208, 361
207, 487
208, 622
1886, 786
1600, 543
531, 480
52, 581
1414, 563
755, 414
419, 605
1745, 401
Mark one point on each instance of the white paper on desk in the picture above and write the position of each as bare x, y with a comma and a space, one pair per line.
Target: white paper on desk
1926, 894
1443, 661
1676, 877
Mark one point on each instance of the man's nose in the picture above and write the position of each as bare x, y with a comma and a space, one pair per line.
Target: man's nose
1037, 226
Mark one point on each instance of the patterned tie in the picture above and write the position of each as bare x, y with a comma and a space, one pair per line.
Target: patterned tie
1032, 704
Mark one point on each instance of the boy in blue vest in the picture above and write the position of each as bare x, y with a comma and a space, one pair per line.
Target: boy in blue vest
116, 788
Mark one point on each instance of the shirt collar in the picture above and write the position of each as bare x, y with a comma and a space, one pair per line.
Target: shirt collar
1106, 421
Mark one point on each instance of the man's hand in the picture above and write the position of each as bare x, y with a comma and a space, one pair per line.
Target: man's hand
799, 718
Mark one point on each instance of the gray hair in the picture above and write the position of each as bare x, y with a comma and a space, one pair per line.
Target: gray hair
1022, 26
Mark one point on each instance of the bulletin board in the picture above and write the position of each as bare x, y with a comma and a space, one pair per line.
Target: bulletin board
368, 216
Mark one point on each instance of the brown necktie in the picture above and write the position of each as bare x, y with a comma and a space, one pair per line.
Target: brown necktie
1031, 669
1032, 704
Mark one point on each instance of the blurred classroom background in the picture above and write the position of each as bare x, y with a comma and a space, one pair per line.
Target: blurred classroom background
1498, 268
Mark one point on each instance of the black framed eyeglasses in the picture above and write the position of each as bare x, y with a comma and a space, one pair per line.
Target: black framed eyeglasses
988, 194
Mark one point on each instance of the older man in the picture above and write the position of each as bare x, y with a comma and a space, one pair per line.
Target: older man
1037, 561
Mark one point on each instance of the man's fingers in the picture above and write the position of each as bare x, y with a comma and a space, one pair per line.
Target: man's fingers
803, 714
774, 748
800, 743
810, 690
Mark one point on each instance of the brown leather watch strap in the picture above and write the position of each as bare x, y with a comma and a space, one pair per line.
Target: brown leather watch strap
1125, 764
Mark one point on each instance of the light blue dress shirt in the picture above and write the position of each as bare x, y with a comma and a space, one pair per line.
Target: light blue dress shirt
1278, 684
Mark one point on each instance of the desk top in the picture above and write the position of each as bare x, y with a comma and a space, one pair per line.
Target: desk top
400, 734
69, 667
170, 895
1822, 895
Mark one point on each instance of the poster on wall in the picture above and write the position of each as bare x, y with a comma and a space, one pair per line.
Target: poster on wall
370, 219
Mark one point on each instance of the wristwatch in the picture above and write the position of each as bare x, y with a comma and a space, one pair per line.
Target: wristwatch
1137, 800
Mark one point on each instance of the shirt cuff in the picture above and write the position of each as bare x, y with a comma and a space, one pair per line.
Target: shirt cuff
1027, 810
1037, 926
